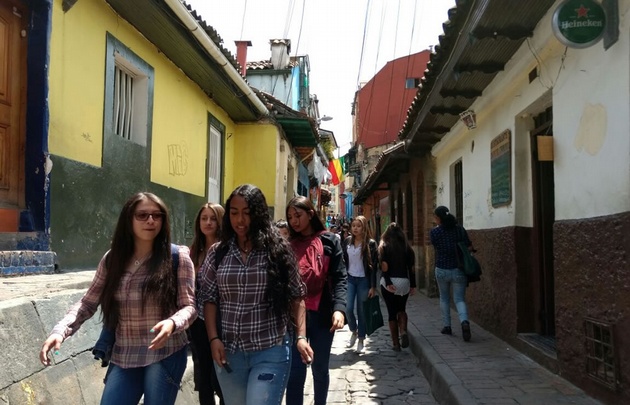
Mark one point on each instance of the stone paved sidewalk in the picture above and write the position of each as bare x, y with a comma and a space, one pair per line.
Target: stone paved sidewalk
485, 370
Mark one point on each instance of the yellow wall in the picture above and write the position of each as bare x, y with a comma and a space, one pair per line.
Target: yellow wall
77, 74
255, 162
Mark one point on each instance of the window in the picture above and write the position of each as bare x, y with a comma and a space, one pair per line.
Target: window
128, 93
215, 159
457, 193
412, 82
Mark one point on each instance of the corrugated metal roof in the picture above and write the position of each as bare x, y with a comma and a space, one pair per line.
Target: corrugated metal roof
479, 39
157, 22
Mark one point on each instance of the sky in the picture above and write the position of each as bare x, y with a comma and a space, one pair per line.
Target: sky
347, 41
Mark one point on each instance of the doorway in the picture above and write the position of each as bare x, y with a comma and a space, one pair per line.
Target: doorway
542, 234
12, 99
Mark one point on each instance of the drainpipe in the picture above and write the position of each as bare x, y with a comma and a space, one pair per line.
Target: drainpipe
198, 32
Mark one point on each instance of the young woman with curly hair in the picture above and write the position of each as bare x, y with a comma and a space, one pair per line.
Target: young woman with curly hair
207, 232
326, 295
259, 289
144, 302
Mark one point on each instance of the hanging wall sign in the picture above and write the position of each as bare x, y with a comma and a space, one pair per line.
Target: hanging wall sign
579, 23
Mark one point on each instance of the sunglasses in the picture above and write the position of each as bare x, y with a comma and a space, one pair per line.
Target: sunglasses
143, 216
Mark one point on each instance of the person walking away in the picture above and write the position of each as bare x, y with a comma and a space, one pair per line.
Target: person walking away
361, 257
207, 232
444, 238
320, 258
259, 289
142, 299
283, 227
398, 281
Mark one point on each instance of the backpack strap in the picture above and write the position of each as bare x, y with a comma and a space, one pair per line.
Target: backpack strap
175, 257
220, 253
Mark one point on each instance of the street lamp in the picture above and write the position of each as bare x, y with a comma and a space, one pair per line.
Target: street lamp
324, 118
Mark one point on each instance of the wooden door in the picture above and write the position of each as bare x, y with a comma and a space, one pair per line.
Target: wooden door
12, 108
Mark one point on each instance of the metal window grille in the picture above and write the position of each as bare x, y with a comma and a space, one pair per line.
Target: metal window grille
601, 364
123, 103
459, 192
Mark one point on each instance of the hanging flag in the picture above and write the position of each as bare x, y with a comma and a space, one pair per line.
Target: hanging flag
339, 168
332, 168
344, 167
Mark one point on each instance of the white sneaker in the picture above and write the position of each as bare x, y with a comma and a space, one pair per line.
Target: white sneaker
352, 340
360, 348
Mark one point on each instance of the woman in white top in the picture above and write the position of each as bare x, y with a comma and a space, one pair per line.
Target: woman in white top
360, 253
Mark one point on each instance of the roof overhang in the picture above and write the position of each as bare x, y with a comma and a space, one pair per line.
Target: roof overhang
479, 38
391, 163
157, 22
300, 130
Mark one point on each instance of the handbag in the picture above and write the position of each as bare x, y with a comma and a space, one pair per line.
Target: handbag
466, 261
372, 314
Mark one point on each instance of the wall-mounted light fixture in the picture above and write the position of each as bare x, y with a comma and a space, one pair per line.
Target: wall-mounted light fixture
469, 118
324, 118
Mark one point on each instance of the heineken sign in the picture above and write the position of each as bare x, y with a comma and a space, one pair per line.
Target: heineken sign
579, 23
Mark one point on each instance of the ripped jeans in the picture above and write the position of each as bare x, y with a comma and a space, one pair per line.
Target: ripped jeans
258, 377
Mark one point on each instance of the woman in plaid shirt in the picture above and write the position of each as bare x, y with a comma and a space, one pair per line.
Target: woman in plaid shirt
260, 293
144, 301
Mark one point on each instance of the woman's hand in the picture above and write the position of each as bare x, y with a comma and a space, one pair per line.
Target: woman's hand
391, 288
53, 342
163, 329
412, 290
337, 321
371, 292
218, 352
306, 352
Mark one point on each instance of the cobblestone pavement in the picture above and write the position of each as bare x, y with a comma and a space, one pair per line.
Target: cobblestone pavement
379, 376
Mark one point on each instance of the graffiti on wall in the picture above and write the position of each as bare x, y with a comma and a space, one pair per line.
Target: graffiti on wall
177, 160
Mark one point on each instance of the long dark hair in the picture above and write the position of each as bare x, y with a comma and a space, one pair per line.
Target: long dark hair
199, 240
305, 204
394, 238
447, 220
262, 235
160, 284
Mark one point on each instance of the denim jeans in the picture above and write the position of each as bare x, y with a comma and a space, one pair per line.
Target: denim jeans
258, 377
159, 382
358, 288
445, 279
320, 338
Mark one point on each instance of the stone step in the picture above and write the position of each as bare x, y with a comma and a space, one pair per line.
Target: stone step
23, 262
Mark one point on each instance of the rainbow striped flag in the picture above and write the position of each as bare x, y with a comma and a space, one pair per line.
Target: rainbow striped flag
337, 168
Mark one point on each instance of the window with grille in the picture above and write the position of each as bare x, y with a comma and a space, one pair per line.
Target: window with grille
601, 362
123, 102
457, 199
128, 93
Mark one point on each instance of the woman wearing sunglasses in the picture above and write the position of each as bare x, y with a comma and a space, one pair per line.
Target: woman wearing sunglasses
144, 301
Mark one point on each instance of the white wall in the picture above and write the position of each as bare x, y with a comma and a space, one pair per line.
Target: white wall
590, 94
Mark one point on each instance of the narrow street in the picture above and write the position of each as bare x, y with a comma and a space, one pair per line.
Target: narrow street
379, 376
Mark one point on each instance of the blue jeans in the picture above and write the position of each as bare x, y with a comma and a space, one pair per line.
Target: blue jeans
159, 382
358, 288
445, 279
258, 377
320, 338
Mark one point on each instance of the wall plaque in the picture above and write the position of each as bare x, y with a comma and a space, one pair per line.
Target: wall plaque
501, 169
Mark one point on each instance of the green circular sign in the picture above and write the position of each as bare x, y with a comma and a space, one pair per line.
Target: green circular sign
579, 23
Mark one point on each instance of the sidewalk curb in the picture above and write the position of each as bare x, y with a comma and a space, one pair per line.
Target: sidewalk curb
446, 387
